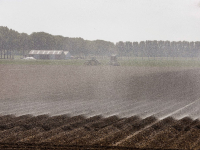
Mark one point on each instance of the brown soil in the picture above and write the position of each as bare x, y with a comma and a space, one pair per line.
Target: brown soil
98, 102
104, 133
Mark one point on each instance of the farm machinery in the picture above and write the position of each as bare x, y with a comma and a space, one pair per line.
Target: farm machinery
113, 61
92, 62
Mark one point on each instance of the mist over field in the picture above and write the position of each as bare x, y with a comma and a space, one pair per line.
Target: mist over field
105, 90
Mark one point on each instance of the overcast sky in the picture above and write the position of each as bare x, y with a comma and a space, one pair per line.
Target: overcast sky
110, 20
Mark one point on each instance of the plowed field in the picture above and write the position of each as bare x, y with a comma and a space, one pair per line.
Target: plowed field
103, 107
97, 132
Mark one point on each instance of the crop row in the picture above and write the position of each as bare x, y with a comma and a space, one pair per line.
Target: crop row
97, 131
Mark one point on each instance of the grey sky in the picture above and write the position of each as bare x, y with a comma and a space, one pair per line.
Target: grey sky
110, 20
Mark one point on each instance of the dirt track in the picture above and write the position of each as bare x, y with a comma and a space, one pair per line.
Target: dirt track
124, 91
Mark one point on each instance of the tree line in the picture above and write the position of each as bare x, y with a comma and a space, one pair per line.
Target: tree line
22, 42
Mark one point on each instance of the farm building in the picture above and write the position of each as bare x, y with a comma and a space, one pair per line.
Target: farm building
67, 55
47, 54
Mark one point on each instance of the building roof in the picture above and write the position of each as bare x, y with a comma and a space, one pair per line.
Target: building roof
46, 52
66, 52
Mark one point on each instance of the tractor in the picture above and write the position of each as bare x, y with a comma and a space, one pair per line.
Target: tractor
113, 61
92, 62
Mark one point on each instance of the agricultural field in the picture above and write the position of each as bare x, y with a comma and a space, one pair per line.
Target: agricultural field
97, 132
65, 104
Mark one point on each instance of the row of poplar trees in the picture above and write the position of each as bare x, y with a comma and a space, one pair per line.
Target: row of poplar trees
22, 42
